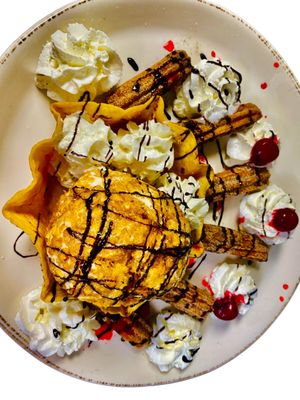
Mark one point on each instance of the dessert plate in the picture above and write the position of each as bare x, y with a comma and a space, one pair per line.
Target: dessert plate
145, 31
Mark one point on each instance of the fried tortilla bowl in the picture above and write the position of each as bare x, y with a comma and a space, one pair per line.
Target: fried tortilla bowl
39, 209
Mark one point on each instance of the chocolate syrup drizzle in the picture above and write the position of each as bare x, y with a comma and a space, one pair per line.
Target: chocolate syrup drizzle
37, 235
160, 82
80, 275
196, 268
86, 98
18, 252
133, 64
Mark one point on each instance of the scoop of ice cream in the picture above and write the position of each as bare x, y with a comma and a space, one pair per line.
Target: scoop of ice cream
270, 214
77, 61
184, 193
145, 150
55, 328
241, 145
232, 281
176, 340
83, 144
212, 90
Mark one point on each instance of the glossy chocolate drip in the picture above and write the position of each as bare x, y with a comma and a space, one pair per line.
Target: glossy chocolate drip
86, 97
239, 81
263, 216
133, 64
196, 268
18, 252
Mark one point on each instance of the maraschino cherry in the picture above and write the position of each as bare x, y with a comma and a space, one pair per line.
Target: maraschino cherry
284, 219
264, 152
225, 308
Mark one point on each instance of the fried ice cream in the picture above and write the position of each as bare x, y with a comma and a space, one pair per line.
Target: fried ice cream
116, 242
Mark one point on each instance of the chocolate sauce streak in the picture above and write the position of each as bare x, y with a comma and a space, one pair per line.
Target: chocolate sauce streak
136, 87
56, 333
263, 217
133, 64
160, 83
86, 97
53, 291
218, 210
163, 327
96, 111
77, 325
18, 252
57, 169
239, 81
196, 268
186, 360
167, 114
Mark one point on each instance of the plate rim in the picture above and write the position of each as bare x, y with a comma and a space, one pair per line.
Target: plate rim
6, 326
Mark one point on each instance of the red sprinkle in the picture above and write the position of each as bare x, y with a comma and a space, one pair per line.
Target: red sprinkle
169, 46
285, 286
264, 85
191, 261
196, 247
241, 220
104, 332
276, 64
207, 286
281, 298
202, 159
213, 54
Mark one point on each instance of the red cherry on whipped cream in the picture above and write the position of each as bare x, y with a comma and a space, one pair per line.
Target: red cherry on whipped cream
225, 308
284, 219
264, 152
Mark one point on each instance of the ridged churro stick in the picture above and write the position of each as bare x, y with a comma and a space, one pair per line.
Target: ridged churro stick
237, 180
217, 239
190, 299
244, 117
156, 80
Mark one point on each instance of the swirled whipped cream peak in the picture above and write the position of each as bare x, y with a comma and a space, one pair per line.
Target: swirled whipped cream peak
83, 144
233, 288
175, 341
76, 61
184, 193
212, 91
270, 214
145, 150
56, 328
258, 145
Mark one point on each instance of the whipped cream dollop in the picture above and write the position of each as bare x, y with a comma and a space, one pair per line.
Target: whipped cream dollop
83, 144
240, 144
77, 61
175, 341
184, 193
258, 211
233, 280
145, 150
212, 91
56, 328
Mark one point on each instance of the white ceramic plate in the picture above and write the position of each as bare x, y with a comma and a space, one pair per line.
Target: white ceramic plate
139, 29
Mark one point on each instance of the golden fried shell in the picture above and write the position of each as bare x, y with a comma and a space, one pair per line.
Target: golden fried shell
115, 241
